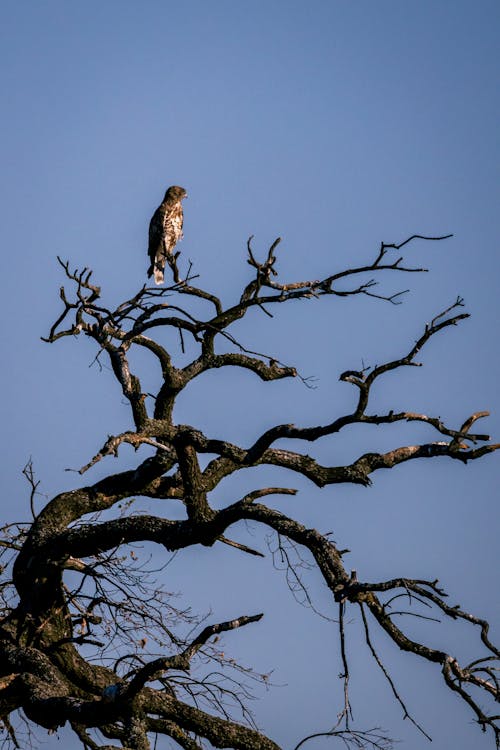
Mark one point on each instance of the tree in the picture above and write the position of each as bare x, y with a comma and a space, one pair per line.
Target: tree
88, 636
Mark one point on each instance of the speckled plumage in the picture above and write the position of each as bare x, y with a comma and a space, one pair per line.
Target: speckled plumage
165, 230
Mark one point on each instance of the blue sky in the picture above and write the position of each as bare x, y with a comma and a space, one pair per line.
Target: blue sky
335, 125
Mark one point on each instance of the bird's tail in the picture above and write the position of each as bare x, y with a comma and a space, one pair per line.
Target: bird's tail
158, 274
156, 269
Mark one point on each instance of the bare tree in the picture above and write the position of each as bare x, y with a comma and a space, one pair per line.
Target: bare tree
78, 607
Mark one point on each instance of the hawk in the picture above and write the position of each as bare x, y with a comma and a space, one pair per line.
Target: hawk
165, 230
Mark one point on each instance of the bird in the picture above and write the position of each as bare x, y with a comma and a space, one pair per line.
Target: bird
165, 230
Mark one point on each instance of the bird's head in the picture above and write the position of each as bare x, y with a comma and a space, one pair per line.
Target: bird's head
175, 193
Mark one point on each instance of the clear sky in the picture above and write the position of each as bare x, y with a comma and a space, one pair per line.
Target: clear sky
335, 125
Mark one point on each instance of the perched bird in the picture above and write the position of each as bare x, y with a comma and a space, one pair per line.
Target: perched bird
165, 230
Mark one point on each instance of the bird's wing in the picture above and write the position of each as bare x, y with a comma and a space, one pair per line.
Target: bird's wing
156, 231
